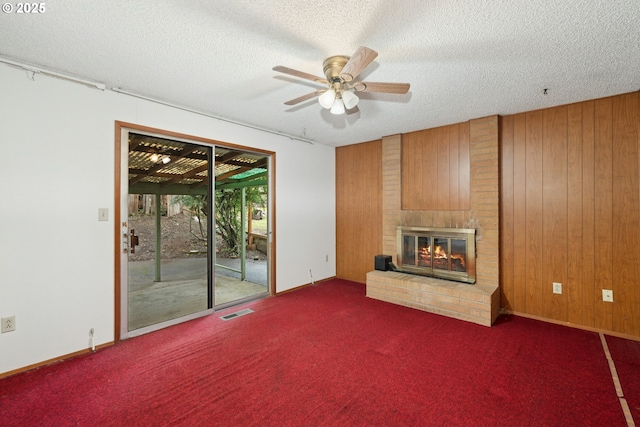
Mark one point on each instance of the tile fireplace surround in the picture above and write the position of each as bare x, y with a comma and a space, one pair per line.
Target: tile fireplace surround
478, 303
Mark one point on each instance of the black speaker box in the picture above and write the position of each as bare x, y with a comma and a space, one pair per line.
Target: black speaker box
383, 262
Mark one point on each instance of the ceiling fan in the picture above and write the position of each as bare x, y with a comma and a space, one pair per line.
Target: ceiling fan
341, 72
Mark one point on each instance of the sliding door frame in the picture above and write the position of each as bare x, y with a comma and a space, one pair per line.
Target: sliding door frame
120, 129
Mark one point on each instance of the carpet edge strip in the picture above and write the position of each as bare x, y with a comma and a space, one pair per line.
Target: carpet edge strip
616, 382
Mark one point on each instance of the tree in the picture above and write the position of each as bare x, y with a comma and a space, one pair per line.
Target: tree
197, 207
228, 207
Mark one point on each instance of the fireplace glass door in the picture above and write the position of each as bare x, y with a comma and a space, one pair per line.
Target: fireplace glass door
409, 249
424, 247
458, 255
446, 253
440, 253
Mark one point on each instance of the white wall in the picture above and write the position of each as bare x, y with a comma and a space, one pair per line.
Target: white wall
57, 168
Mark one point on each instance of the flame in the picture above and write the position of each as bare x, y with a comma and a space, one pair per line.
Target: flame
439, 252
461, 258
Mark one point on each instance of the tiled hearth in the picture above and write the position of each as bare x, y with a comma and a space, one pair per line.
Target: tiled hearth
480, 302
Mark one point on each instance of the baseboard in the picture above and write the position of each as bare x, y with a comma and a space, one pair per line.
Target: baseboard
52, 361
297, 288
573, 325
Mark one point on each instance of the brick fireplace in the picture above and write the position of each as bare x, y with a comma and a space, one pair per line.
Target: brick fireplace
479, 302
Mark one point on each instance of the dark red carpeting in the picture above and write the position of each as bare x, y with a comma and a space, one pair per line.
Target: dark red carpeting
626, 356
328, 356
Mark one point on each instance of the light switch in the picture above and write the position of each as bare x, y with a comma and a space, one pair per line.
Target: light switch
103, 214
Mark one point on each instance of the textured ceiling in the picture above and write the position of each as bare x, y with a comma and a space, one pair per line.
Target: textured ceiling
464, 59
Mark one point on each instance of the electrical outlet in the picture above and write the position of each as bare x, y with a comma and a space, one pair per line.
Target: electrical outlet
557, 288
8, 324
607, 295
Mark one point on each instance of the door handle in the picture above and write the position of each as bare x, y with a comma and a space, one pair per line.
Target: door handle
133, 241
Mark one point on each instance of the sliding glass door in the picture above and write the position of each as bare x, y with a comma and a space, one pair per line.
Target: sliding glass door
169, 274
242, 226
194, 229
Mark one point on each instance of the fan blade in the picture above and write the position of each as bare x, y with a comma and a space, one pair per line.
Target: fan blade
353, 110
300, 74
304, 97
381, 87
358, 62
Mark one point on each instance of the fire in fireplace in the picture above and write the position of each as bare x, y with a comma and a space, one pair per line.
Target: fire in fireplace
448, 253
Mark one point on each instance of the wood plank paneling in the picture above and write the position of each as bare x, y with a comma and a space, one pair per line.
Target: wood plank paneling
429, 169
571, 183
454, 168
554, 210
412, 168
436, 169
507, 260
573, 285
464, 167
588, 215
519, 212
443, 167
626, 221
358, 209
533, 223
416, 174
603, 150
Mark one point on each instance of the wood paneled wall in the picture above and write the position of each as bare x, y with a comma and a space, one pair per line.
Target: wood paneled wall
480, 163
570, 213
435, 169
569, 210
358, 209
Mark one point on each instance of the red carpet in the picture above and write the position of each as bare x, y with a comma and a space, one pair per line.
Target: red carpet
626, 356
328, 356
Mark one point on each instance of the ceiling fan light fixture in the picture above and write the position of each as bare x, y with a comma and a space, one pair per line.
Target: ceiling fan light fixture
350, 99
342, 82
337, 107
327, 99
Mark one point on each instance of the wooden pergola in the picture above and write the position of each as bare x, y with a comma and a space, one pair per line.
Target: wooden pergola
160, 166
